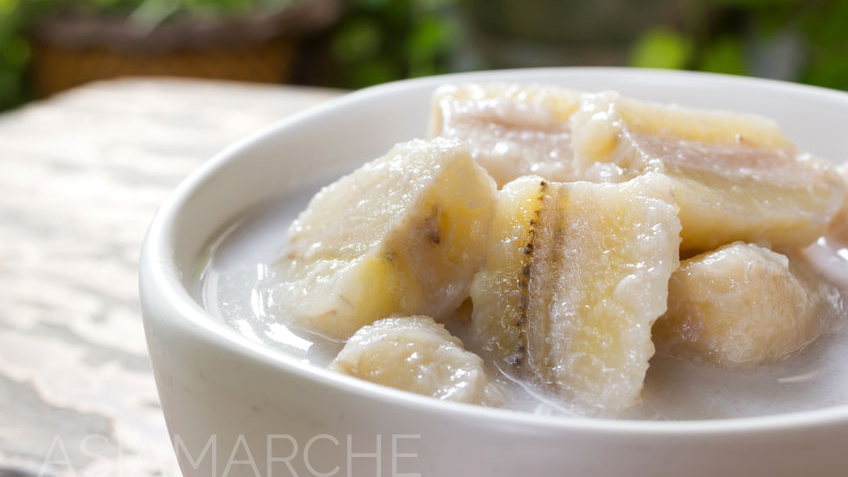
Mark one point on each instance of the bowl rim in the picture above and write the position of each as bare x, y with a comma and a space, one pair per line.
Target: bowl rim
158, 267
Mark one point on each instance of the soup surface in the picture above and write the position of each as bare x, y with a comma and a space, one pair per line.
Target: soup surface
235, 288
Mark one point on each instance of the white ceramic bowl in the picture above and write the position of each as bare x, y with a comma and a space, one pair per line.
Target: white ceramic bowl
250, 407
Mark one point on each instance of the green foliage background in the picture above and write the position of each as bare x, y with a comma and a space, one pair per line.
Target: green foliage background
731, 28
384, 40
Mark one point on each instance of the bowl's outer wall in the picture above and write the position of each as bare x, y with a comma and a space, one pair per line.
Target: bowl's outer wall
213, 382
213, 391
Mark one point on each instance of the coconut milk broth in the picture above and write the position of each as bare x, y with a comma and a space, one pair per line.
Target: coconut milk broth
241, 260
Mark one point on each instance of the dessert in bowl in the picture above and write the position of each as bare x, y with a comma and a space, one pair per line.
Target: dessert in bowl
253, 386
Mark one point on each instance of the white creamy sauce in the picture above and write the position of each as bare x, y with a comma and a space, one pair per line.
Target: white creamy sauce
817, 377
240, 261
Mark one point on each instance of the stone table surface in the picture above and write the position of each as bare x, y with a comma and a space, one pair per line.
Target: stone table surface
81, 175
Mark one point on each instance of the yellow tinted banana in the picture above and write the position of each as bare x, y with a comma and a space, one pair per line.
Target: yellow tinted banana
402, 234
735, 177
743, 304
416, 354
575, 275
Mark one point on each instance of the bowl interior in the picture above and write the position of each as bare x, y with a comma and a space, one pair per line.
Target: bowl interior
344, 133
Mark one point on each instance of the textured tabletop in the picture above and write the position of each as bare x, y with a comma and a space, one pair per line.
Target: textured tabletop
81, 176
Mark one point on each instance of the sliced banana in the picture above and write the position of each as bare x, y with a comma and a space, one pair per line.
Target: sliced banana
513, 130
743, 305
575, 275
402, 234
827, 254
837, 230
735, 177
416, 354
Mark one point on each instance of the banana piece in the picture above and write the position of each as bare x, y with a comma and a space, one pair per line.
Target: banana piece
513, 130
827, 253
416, 354
575, 275
743, 305
402, 234
735, 177
837, 230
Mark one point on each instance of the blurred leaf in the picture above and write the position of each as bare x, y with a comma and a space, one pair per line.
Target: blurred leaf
357, 40
10, 89
429, 37
424, 68
397, 14
15, 53
371, 4
827, 69
372, 72
756, 3
7, 7
827, 25
723, 56
661, 47
429, 41
432, 5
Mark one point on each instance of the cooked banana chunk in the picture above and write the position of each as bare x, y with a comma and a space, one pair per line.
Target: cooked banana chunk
419, 355
838, 228
575, 275
513, 130
402, 234
735, 177
743, 304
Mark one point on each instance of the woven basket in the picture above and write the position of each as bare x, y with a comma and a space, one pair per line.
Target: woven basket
69, 51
